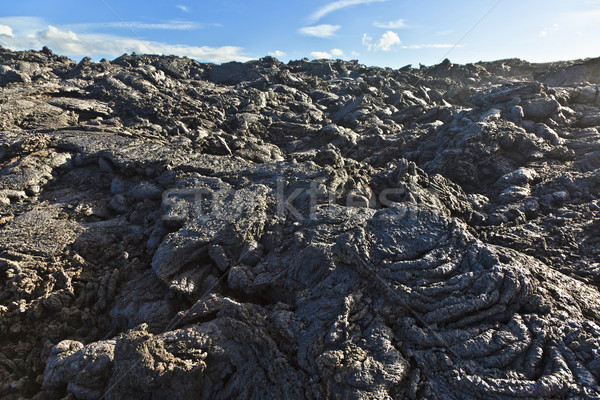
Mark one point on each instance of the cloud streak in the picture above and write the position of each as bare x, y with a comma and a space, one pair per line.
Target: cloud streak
174, 25
397, 24
338, 5
100, 45
36, 23
430, 46
321, 31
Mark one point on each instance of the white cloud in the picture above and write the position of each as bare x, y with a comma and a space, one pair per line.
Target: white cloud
338, 5
99, 45
183, 8
333, 53
389, 41
337, 52
397, 24
174, 25
6, 30
320, 55
277, 54
322, 31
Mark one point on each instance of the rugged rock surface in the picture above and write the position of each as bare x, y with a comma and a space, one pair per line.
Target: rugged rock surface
172, 229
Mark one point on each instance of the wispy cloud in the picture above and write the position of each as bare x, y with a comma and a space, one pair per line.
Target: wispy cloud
23, 23
397, 24
6, 30
174, 25
322, 31
183, 8
585, 17
547, 30
101, 45
389, 41
430, 46
277, 54
338, 5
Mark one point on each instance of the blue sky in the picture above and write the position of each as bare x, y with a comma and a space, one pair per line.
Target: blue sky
387, 33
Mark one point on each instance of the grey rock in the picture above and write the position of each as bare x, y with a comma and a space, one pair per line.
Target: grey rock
40, 231
540, 109
521, 176
83, 369
548, 134
225, 218
517, 114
